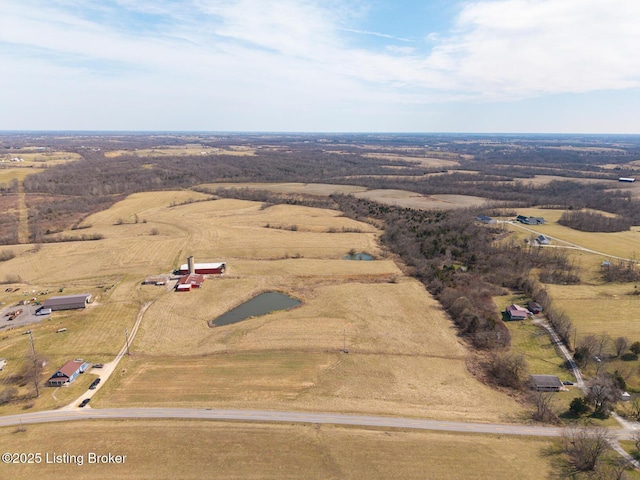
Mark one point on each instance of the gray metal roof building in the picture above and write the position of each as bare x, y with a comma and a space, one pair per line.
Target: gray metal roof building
67, 302
546, 383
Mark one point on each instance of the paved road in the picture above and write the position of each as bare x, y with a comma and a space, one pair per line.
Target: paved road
278, 416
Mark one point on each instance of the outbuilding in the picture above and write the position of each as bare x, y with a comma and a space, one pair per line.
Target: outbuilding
534, 307
67, 302
546, 383
68, 373
543, 240
189, 281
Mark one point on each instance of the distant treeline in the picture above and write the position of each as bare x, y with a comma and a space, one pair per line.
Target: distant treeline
62, 195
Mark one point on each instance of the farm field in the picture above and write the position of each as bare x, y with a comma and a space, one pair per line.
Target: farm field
431, 160
404, 357
182, 150
231, 450
401, 198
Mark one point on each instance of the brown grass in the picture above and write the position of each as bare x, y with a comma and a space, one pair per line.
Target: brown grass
182, 150
404, 355
167, 449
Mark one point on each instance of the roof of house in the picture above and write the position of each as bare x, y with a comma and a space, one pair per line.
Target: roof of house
546, 381
516, 311
70, 367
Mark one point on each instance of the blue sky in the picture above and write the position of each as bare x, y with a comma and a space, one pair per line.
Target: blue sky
567, 66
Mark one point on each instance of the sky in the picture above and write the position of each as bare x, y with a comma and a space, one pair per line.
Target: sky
512, 66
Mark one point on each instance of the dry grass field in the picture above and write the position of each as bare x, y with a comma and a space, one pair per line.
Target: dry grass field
404, 355
168, 449
401, 198
182, 150
599, 309
430, 161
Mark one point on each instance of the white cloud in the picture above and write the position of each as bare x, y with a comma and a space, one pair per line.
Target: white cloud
522, 48
298, 56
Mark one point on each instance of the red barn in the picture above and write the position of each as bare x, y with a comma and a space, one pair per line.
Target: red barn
187, 282
205, 268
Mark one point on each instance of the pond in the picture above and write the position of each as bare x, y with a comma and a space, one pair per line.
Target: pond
358, 256
259, 305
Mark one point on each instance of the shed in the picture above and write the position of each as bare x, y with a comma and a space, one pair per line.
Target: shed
534, 307
543, 240
516, 312
68, 373
67, 302
546, 383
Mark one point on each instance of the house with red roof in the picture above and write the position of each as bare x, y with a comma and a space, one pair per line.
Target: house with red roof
516, 312
68, 373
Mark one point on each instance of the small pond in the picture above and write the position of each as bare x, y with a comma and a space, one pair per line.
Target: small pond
259, 305
358, 256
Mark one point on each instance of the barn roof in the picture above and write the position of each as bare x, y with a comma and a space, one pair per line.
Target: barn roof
65, 299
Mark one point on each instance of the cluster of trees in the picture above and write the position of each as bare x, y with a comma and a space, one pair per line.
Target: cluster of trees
594, 222
620, 271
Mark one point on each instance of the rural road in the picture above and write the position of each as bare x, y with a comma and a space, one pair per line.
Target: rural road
280, 416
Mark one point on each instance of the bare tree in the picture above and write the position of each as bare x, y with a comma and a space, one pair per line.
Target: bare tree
603, 393
543, 403
586, 447
621, 344
508, 369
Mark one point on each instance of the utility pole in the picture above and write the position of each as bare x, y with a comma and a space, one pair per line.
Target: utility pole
126, 339
36, 374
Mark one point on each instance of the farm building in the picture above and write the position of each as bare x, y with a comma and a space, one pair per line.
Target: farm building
67, 302
534, 307
626, 179
516, 312
531, 220
204, 268
543, 240
67, 373
189, 281
546, 383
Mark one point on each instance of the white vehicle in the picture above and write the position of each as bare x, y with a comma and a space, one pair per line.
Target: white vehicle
3, 362
43, 311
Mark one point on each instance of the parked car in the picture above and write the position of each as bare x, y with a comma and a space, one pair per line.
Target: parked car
567, 382
94, 384
98, 365
84, 402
